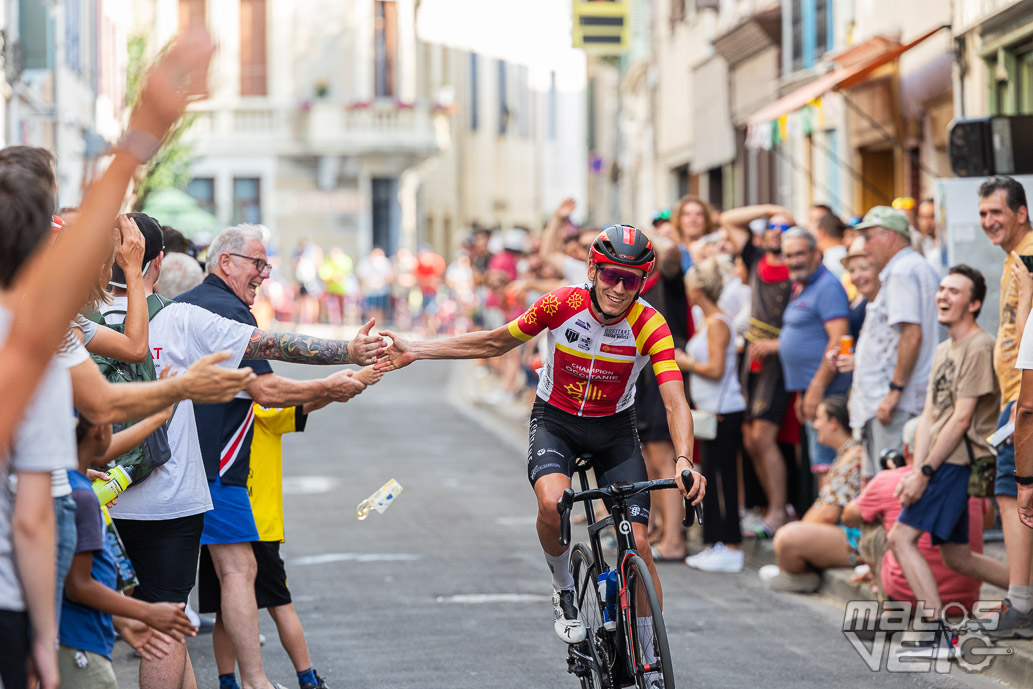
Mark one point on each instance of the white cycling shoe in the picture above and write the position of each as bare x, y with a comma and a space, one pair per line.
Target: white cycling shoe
568, 624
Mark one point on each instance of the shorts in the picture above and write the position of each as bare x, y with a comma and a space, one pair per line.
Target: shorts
270, 582
378, 302
164, 555
766, 396
649, 409
230, 519
942, 510
1004, 483
556, 438
96, 671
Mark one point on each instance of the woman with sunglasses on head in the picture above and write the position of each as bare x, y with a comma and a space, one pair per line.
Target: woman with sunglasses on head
600, 334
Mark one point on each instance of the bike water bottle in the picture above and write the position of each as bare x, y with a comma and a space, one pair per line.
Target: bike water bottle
611, 601
120, 478
601, 585
380, 500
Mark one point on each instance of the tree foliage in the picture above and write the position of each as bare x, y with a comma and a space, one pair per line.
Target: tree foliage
170, 166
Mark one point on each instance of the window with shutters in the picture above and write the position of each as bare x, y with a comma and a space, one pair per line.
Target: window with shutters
385, 47
254, 76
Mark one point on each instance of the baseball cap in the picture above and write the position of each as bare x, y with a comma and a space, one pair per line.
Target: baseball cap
154, 244
884, 216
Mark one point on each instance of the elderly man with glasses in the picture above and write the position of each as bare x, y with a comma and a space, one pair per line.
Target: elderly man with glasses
236, 267
907, 305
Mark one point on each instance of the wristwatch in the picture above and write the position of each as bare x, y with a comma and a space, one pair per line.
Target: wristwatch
1022, 480
895, 387
927, 471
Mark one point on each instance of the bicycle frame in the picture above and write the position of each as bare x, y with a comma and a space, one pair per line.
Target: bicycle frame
619, 520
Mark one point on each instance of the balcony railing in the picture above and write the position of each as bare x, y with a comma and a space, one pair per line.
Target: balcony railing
319, 127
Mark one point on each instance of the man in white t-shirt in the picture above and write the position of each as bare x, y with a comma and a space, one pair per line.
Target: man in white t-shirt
907, 301
162, 519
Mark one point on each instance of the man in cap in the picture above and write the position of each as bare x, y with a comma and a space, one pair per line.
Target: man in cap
907, 301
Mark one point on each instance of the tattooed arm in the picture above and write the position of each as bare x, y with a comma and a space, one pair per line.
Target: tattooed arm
305, 349
272, 390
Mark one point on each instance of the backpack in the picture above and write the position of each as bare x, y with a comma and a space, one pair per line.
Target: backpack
154, 450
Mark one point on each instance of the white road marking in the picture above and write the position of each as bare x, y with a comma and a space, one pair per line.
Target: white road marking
484, 598
328, 558
308, 485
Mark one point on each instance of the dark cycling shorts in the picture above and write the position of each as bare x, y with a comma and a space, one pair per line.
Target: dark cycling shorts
556, 438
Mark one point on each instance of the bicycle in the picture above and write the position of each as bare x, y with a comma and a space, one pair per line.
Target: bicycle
613, 655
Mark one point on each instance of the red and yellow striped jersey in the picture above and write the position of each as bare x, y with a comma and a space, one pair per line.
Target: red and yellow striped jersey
591, 368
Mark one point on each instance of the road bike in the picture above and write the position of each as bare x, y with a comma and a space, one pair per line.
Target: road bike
616, 652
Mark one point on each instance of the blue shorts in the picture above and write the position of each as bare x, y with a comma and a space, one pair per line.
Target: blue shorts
230, 519
943, 508
1005, 484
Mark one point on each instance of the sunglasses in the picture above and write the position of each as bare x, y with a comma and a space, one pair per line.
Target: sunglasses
611, 276
779, 227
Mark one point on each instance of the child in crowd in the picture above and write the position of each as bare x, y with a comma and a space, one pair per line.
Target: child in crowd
87, 634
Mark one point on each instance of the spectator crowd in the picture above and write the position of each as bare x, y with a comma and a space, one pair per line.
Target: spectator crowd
847, 403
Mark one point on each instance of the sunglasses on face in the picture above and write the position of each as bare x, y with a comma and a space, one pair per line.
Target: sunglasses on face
781, 227
611, 276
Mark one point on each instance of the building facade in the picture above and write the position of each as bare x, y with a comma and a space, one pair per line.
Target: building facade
64, 81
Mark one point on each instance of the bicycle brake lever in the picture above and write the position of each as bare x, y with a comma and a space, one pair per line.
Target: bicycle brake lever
563, 506
690, 510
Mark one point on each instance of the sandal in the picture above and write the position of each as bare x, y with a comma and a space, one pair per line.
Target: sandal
659, 557
761, 531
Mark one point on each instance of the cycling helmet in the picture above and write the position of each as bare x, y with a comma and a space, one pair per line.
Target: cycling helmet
623, 245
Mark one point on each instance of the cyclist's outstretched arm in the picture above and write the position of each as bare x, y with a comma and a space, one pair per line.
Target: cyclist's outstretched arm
478, 345
679, 421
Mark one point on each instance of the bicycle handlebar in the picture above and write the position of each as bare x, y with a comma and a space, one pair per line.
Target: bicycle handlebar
622, 489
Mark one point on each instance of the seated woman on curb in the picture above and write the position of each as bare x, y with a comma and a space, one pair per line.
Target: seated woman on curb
820, 540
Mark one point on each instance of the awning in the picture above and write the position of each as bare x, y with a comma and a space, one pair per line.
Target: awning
764, 125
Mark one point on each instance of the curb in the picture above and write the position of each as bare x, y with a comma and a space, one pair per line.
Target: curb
1014, 669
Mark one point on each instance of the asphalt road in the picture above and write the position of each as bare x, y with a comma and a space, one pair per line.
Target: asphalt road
448, 588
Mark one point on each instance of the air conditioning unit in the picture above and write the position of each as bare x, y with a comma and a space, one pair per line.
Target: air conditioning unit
1000, 145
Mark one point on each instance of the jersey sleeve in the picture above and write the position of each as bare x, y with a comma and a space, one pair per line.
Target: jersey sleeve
277, 421
653, 338
550, 308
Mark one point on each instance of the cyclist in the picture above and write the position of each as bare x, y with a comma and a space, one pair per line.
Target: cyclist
600, 335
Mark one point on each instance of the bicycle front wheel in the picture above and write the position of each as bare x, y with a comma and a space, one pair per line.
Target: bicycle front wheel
595, 673
649, 655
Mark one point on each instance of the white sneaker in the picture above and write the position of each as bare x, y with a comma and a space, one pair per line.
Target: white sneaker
720, 559
568, 624
701, 556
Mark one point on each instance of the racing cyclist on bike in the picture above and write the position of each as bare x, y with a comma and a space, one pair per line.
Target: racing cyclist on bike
600, 335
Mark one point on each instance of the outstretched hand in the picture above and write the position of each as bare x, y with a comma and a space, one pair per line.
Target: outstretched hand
180, 75
209, 383
398, 355
365, 348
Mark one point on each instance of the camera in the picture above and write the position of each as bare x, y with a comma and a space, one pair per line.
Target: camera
891, 458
